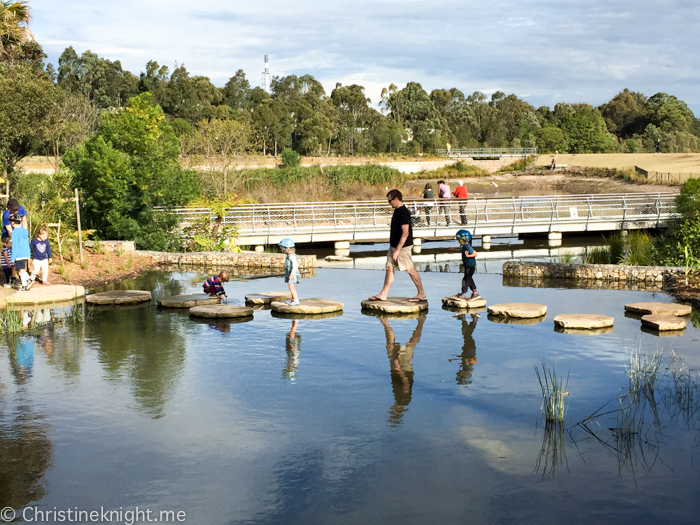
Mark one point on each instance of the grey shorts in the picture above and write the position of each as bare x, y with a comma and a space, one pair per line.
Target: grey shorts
404, 262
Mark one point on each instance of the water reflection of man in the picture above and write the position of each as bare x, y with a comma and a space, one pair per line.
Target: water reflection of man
293, 344
468, 355
400, 360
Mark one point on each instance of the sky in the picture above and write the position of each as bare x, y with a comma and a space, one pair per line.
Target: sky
544, 51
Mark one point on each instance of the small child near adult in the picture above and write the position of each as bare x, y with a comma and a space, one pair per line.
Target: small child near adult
20, 250
6, 262
41, 256
469, 263
214, 285
291, 269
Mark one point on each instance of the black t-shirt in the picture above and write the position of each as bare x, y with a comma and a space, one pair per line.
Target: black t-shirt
401, 216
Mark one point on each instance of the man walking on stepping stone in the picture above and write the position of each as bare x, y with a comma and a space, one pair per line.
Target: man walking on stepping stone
400, 245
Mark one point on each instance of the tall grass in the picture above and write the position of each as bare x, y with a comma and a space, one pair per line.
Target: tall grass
10, 321
616, 243
643, 372
553, 393
641, 250
597, 255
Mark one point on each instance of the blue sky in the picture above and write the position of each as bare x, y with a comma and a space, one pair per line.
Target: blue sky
544, 51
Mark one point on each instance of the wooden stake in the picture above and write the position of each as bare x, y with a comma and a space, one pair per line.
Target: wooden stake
80, 233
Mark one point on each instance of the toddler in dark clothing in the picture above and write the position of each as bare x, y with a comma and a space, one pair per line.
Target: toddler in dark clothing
41, 256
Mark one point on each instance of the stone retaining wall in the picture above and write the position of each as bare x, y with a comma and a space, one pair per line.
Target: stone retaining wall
596, 272
243, 260
588, 284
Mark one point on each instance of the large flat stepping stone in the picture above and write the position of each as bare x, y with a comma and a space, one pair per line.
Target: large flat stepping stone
663, 322
119, 297
292, 315
311, 306
583, 321
267, 297
651, 308
518, 310
395, 305
583, 331
463, 303
220, 310
40, 294
502, 319
187, 301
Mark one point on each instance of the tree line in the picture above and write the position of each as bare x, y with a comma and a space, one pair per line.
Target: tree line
44, 110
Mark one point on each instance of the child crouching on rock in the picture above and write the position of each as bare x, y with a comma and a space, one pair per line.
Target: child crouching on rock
214, 285
291, 269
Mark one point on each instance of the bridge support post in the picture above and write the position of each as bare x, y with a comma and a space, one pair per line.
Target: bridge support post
342, 245
260, 248
554, 239
485, 239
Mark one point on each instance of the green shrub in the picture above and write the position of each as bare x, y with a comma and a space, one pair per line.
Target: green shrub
616, 244
290, 158
597, 255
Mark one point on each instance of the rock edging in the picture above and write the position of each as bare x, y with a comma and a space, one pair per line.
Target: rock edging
272, 261
598, 272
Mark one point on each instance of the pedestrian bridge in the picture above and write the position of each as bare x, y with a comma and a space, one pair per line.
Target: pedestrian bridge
369, 221
486, 153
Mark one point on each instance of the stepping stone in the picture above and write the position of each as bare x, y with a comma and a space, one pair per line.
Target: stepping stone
518, 310
502, 319
119, 297
220, 310
187, 301
652, 308
267, 297
582, 331
583, 321
463, 303
338, 258
663, 322
292, 315
311, 306
40, 294
396, 305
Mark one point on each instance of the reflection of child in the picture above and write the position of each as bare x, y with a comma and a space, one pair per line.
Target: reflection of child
468, 356
293, 343
6, 263
291, 269
469, 263
41, 256
214, 285
20, 250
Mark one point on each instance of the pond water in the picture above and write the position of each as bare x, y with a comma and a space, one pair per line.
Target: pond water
244, 423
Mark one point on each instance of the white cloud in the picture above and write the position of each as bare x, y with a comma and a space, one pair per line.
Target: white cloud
552, 50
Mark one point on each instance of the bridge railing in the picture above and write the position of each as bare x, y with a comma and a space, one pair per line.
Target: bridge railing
283, 219
488, 152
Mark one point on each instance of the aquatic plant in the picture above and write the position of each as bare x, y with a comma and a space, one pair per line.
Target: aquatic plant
553, 393
643, 372
616, 244
10, 321
566, 258
597, 255
640, 249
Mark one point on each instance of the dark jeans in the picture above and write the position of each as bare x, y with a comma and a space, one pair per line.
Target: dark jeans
468, 280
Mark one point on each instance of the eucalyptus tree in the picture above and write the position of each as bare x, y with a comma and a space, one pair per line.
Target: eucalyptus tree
353, 106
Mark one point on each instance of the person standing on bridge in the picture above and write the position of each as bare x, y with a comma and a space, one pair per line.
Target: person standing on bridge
461, 193
444, 193
400, 245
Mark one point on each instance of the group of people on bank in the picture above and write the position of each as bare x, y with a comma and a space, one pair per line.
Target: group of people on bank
19, 254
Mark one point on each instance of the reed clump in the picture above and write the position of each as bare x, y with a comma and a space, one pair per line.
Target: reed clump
554, 392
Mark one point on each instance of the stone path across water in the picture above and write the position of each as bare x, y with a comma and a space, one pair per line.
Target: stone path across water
583, 321
40, 294
311, 306
663, 322
518, 310
220, 311
187, 301
267, 297
650, 308
463, 303
119, 297
395, 305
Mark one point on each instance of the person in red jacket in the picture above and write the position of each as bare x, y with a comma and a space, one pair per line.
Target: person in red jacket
461, 193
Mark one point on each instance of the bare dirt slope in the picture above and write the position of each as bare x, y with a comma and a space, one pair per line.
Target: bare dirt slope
662, 162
